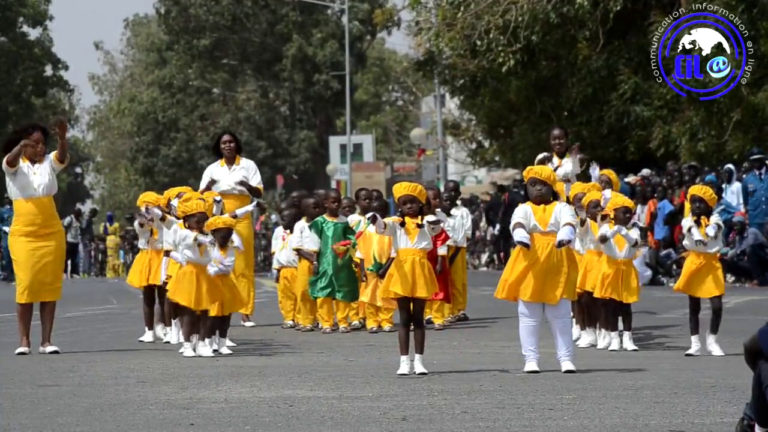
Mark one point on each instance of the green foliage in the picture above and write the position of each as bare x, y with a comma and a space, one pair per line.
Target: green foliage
519, 67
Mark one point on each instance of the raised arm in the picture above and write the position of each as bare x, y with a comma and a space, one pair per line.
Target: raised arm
62, 148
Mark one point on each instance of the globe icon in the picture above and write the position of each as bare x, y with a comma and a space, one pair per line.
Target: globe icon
703, 38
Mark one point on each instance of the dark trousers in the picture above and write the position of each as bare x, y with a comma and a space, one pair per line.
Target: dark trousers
73, 251
759, 401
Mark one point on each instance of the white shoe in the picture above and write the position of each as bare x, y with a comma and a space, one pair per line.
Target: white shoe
405, 366
204, 348
567, 367
531, 367
418, 365
249, 324
615, 342
167, 337
187, 351
588, 339
603, 339
50, 349
175, 331
575, 331
628, 342
695, 349
160, 331
21, 351
223, 350
215, 343
230, 344
713, 347
148, 337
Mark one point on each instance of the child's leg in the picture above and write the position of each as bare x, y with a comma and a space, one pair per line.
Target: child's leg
530, 315
190, 323
386, 317
626, 316
354, 312
223, 326
325, 312
404, 333
559, 317
717, 314
590, 310
459, 276
286, 295
148, 306
372, 316
614, 308
694, 308
417, 318
204, 328
161, 298
437, 311
343, 312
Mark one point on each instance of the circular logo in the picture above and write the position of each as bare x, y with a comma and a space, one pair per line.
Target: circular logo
702, 55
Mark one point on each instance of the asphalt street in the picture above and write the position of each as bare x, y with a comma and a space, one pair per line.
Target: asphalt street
282, 380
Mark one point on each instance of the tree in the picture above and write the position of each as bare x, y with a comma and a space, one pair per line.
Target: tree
518, 67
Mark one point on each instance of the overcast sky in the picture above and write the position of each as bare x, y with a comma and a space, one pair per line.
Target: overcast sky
77, 24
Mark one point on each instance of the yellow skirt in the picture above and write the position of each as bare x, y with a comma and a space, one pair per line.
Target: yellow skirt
702, 276
541, 274
589, 271
244, 260
38, 250
410, 275
371, 292
618, 280
225, 297
146, 269
190, 287
171, 269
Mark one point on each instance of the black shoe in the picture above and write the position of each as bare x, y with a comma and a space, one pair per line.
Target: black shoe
428, 321
462, 317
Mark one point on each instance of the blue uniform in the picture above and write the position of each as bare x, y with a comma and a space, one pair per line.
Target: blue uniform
6, 217
755, 192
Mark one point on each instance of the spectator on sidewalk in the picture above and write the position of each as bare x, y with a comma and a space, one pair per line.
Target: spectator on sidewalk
72, 225
732, 191
755, 416
755, 190
748, 259
87, 242
6, 218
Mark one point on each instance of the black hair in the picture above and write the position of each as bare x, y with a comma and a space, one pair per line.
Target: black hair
22, 133
555, 127
454, 182
216, 147
434, 189
330, 192
380, 202
359, 192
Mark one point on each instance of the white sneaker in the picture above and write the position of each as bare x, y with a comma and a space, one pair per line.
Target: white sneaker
204, 348
531, 367
575, 331
229, 343
615, 342
187, 351
215, 343
167, 337
603, 339
628, 342
148, 337
160, 331
405, 366
175, 331
249, 324
588, 339
418, 365
567, 367
695, 349
223, 350
713, 347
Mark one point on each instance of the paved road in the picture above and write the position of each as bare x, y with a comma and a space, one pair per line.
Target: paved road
281, 380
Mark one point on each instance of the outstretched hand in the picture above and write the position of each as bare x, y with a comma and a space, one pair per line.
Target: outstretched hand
61, 127
562, 243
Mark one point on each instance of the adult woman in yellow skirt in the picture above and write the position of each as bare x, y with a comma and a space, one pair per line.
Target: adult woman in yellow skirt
541, 273
618, 282
410, 279
146, 271
589, 268
36, 239
238, 181
702, 275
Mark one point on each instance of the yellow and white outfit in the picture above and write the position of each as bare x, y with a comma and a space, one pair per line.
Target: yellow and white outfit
373, 247
191, 284
702, 274
224, 296
304, 239
459, 229
235, 197
147, 266
618, 278
36, 239
589, 267
286, 262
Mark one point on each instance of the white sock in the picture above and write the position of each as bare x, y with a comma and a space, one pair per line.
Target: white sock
760, 429
405, 358
418, 357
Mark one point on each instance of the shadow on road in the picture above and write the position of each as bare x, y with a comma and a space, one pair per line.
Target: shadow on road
470, 371
615, 370
261, 348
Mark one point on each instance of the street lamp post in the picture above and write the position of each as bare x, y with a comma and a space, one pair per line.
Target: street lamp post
439, 120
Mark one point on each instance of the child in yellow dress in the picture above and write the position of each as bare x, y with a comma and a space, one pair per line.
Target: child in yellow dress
285, 262
541, 273
702, 275
410, 279
618, 282
589, 268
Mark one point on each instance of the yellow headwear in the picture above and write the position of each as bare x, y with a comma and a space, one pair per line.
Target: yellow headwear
584, 188
617, 201
592, 196
173, 192
611, 174
705, 192
409, 188
191, 203
541, 172
218, 222
151, 199
209, 197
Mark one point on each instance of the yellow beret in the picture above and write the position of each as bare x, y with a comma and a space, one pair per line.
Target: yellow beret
541, 172
173, 192
705, 192
580, 187
209, 197
560, 189
409, 188
611, 174
617, 201
218, 222
191, 203
592, 196
151, 199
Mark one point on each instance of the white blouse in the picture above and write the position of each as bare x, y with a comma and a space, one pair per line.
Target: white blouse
283, 250
144, 233
400, 240
227, 178
586, 238
460, 227
561, 216
303, 238
188, 247
222, 263
714, 244
28, 180
610, 248
566, 168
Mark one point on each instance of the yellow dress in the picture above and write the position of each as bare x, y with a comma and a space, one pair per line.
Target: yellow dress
146, 269
411, 274
224, 296
244, 260
372, 248
38, 250
702, 276
114, 266
543, 273
589, 267
618, 279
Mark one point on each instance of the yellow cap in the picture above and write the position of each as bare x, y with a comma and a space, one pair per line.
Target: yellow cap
218, 222
541, 172
409, 188
705, 192
191, 203
580, 187
173, 192
592, 196
611, 174
209, 197
617, 201
152, 199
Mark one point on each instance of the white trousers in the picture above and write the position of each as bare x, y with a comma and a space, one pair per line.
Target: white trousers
559, 317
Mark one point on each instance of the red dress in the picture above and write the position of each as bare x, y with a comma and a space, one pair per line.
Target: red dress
443, 278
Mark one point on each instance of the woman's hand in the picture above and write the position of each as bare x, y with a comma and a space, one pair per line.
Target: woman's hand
61, 128
209, 186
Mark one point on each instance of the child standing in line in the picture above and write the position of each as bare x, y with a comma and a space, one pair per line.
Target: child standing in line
457, 249
541, 273
577, 192
285, 263
439, 306
376, 254
306, 245
702, 276
589, 269
348, 209
618, 282
335, 278
411, 279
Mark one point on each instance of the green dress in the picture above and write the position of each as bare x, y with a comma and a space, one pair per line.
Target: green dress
335, 278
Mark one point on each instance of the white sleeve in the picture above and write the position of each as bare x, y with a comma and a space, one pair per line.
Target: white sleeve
566, 215
206, 177
433, 230
467, 223
254, 176
57, 166
276, 240
521, 215
7, 169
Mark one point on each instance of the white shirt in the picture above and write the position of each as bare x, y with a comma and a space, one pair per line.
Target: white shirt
461, 229
733, 194
566, 168
29, 180
610, 247
304, 238
282, 248
170, 229
188, 247
227, 178
222, 263
400, 240
144, 233
714, 244
586, 237
562, 215
356, 221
